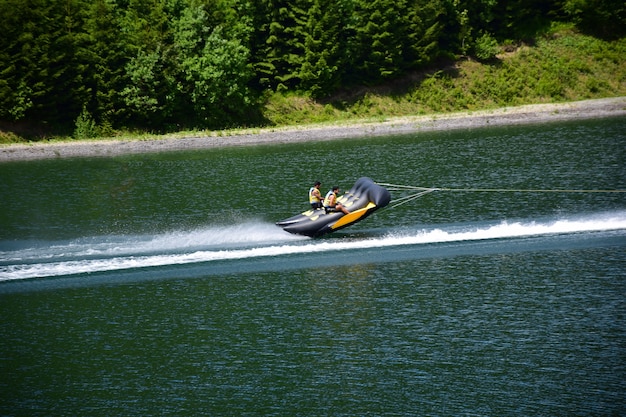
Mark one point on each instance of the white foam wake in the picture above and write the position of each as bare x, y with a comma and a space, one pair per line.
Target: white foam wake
253, 240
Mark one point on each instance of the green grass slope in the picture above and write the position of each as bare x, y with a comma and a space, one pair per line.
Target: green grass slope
561, 66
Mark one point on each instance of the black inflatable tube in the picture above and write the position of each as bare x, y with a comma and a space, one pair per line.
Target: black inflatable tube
361, 200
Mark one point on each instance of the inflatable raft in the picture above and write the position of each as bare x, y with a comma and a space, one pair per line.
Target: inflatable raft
361, 200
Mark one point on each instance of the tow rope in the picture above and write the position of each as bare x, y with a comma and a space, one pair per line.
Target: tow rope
421, 191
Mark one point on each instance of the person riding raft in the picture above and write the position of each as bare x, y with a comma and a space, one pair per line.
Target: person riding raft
315, 197
330, 202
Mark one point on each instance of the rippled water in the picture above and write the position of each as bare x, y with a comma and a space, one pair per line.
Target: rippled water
159, 285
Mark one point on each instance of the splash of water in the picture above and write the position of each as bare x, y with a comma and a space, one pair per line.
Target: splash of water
253, 240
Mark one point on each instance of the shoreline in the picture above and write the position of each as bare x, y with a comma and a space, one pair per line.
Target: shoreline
507, 116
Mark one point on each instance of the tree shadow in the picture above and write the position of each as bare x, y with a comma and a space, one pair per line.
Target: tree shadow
345, 97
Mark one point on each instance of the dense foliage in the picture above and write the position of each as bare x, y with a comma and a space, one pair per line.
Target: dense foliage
97, 65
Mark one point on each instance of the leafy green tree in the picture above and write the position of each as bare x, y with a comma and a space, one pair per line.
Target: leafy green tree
214, 69
149, 91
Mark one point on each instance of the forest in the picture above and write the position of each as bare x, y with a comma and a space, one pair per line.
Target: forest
169, 65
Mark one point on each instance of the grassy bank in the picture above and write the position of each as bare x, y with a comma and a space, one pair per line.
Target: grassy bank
561, 66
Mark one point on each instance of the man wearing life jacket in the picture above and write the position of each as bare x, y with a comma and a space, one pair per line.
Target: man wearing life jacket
330, 202
315, 197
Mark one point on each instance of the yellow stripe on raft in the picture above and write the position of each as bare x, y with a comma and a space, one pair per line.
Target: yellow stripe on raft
353, 216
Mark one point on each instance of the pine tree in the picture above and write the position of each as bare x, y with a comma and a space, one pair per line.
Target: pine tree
381, 29
46, 62
108, 57
18, 58
326, 40
278, 42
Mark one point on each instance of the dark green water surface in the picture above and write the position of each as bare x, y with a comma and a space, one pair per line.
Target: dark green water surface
159, 285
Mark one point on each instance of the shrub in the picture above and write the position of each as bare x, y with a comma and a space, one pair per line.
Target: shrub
85, 126
486, 47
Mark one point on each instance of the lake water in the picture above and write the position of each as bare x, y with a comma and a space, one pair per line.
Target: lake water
159, 285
